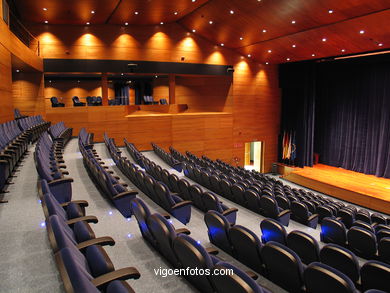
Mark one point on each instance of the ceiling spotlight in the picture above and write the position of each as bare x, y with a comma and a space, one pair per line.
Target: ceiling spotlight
293, 46
136, 12
380, 44
17, 70
231, 12
161, 23
330, 11
269, 51
241, 38
193, 0
46, 21
44, 9
293, 21
342, 50
93, 11
267, 63
156, 76
49, 81
264, 31
88, 23
288, 59
78, 81
361, 32
324, 39
193, 31
175, 13
313, 55
249, 55
222, 44
210, 22
122, 74
126, 23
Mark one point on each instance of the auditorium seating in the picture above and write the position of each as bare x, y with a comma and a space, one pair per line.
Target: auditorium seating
60, 133
18, 115
167, 158
163, 102
94, 101
304, 245
148, 100
55, 103
77, 102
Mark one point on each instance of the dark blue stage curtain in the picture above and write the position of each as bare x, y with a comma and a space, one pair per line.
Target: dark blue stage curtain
347, 106
353, 116
121, 93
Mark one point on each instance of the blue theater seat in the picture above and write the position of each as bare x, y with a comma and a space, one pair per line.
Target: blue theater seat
375, 275
333, 231
272, 230
304, 245
218, 230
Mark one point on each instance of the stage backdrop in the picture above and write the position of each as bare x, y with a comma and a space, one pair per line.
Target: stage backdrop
351, 102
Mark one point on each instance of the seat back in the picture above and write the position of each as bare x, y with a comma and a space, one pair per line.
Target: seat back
272, 230
322, 278
218, 230
362, 242
141, 212
246, 247
183, 186
375, 275
300, 211
283, 266
333, 231
384, 249
304, 245
192, 255
347, 216
269, 206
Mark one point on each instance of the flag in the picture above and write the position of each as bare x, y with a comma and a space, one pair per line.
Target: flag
293, 148
288, 154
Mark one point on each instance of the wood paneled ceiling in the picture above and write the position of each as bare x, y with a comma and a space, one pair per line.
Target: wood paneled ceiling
274, 31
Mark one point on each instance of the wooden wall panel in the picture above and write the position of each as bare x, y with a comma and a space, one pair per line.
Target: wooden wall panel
6, 107
161, 88
252, 95
27, 93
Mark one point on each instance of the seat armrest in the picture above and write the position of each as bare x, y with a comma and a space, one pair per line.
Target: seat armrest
182, 204
229, 211
59, 181
212, 250
284, 212
131, 192
252, 275
81, 203
183, 231
312, 217
103, 241
165, 215
121, 274
88, 219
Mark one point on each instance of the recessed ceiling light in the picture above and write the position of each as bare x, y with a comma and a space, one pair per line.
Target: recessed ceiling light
241, 38
126, 23
193, 0
380, 44
330, 11
269, 51
264, 30
46, 21
249, 55
210, 22
361, 32
288, 59
324, 39
222, 44
78, 81
161, 23
175, 13
193, 31
293, 21
87, 23
231, 12
93, 11
267, 63
293, 46
17, 70
50, 81
156, 76
44, 9
342, 50
121, 73
313, 55
136, 12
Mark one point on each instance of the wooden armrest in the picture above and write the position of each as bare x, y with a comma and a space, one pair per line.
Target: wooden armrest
165, 215
130, 192
103, 241
229, 211
82, 203
183, 231
121, 274
59, 181
182, 204
212, 250
282, 213
88, 219
252, 275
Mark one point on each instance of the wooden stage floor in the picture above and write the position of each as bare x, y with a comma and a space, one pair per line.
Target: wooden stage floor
365, 190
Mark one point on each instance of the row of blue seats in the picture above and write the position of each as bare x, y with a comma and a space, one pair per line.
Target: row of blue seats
156, 190
83, 263
15, 137
285, 258
105, 179
184, 252
167, 158
59, 132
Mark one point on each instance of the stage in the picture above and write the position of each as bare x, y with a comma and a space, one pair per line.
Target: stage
365, 190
